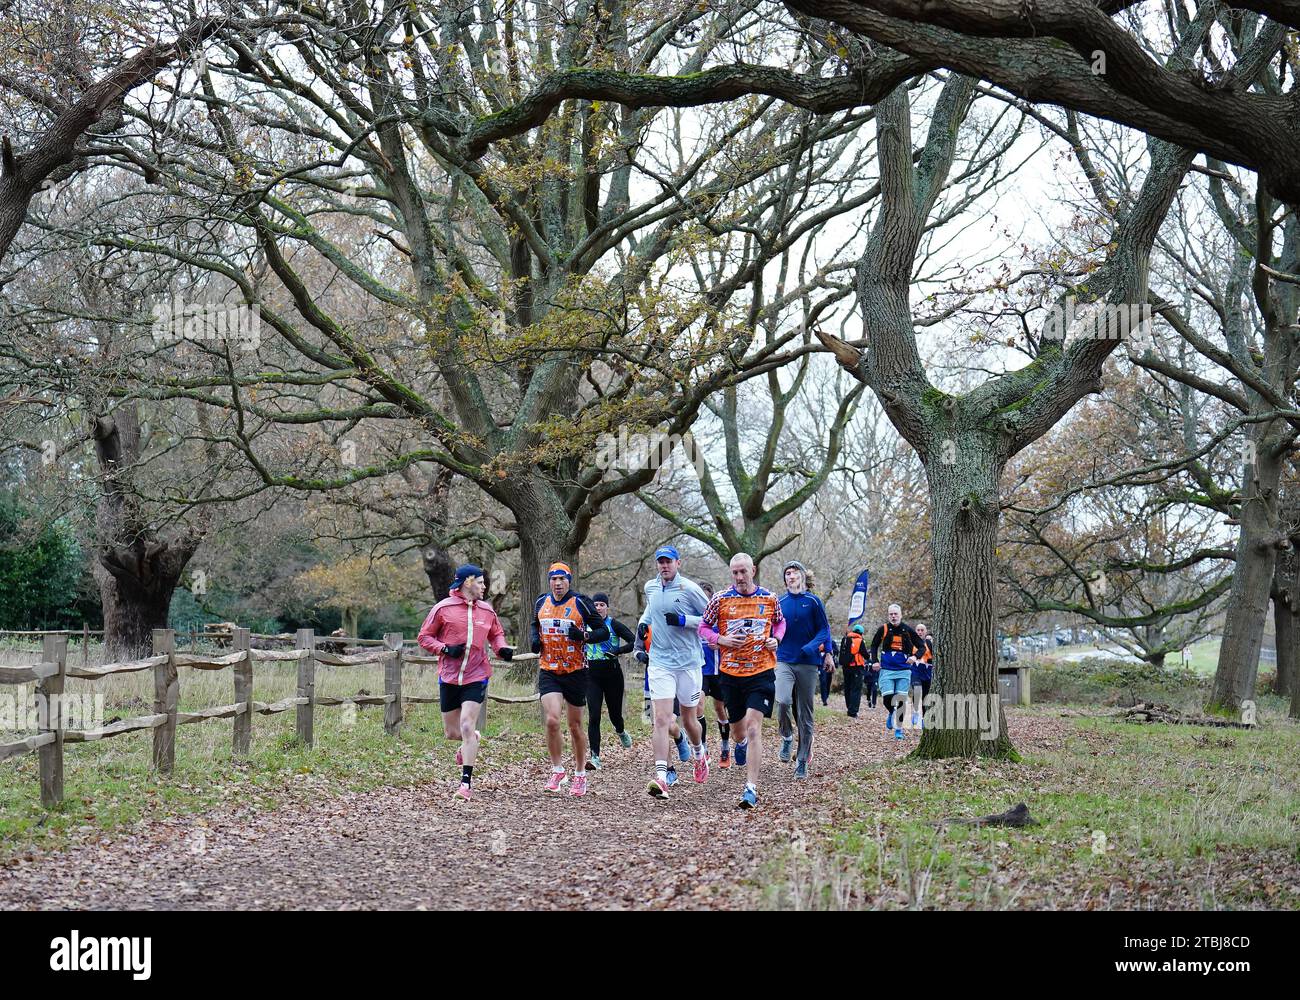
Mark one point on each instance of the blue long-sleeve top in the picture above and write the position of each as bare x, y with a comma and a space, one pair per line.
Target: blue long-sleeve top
807, 630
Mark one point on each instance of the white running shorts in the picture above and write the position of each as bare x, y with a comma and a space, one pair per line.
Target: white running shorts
684, 685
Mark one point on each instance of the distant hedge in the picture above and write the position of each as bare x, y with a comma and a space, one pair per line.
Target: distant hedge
41, 567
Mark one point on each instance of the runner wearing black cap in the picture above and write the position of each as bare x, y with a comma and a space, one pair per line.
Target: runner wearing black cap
605, 680
460, 630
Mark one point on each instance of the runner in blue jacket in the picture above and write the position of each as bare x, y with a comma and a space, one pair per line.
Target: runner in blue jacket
805, 649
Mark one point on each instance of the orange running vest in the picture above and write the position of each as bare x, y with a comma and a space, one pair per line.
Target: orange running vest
750, 616
560, 654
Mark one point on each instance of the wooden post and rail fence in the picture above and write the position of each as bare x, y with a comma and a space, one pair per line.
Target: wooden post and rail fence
50, 674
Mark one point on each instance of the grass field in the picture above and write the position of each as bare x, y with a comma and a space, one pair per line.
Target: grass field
110, 784
1202, 657
1130, 816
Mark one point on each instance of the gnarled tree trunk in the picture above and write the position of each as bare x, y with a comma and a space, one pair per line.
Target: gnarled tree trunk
964, 529
439, 566
544, 538
1243, 627
136, 570
1263, 533
1286, 611
133, 608
966, 440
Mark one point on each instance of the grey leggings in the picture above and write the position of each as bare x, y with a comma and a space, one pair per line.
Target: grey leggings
796, 687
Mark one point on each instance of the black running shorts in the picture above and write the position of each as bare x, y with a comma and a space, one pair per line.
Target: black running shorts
572, 685
740, 694
452, 696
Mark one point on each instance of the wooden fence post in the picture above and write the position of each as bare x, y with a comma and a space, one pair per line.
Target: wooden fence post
49, 695
393, 683
306, 639
166, 695
243, 737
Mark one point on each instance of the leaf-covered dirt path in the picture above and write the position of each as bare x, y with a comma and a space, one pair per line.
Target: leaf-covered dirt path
512, 847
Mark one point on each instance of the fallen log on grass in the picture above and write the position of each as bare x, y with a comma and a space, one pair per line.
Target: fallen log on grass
1017, 815
1151, 712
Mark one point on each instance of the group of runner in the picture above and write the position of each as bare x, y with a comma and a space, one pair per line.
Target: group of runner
743, 648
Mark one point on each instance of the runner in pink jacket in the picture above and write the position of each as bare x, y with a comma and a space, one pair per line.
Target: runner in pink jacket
459, 631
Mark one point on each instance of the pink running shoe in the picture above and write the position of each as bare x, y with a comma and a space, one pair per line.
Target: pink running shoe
462, 792
658, 788
579, 786
460, 761
701, 769
557, 779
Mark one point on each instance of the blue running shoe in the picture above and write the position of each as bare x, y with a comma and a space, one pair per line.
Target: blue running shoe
801, 770
748, 798
740, 751
787, 743
672, 776
683, 748
898, 734
889, 720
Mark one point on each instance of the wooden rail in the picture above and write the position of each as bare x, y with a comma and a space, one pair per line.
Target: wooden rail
50, 673
27, 675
